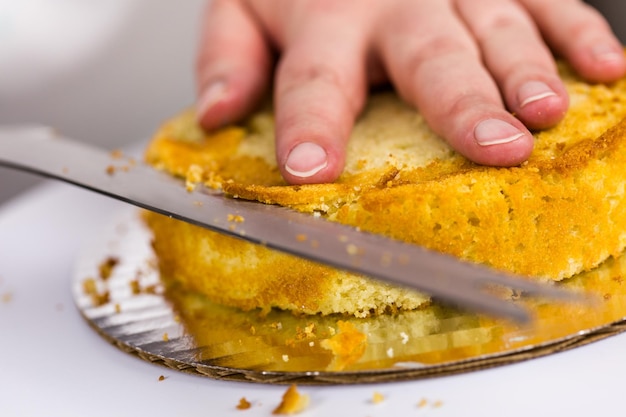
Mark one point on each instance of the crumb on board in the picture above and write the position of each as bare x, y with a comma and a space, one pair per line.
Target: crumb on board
347, 346
107, 266
293, 402
276, 325
110, 170
89, 286
135, 287
244, 404
100, 299
166, 337
162, 378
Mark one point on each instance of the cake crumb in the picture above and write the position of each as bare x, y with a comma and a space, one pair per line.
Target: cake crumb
422, 403
347, 346
285, 358
193, 177
162, 378
404, 337
105, 269
89, 286
7, 297
118, 308
243, 404
403, 259
352, 249
100, 299
110, 170
135, 287
293, 402
235, 218
166, 337
377, 397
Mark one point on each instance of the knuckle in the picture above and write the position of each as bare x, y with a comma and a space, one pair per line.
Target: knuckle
437, 49
461, 104
295, 74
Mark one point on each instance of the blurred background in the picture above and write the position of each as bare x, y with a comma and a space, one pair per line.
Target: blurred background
106, 72
109, 72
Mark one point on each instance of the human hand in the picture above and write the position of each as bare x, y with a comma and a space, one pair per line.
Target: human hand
480, 71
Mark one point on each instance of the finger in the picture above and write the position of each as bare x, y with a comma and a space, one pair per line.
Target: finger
435, 65
581, 35
320, 88
234, 64
518, 60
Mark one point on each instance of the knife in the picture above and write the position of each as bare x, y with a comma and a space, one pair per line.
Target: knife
39, 150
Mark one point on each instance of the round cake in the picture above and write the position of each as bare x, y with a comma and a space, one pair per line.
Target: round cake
558, 214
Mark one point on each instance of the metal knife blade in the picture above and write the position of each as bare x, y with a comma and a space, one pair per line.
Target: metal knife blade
41, 151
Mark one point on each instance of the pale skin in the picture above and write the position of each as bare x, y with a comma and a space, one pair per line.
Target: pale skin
481, 72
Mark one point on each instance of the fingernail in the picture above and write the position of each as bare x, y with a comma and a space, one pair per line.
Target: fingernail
607, 53
213, 94
306, 159
495, 132
533, 91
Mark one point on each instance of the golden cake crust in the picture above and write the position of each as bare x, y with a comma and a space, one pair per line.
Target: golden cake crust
560, 213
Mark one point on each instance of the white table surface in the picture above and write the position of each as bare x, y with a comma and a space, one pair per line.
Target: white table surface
53, 364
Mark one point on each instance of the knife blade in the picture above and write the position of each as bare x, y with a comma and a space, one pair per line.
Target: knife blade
39, 150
